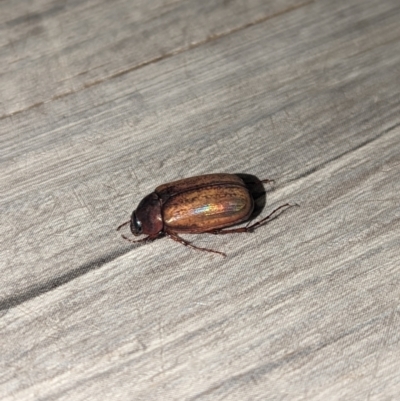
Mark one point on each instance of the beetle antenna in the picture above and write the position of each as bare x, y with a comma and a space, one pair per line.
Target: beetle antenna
123, 224
266, 181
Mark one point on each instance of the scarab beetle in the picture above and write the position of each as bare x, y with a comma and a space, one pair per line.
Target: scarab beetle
203, 204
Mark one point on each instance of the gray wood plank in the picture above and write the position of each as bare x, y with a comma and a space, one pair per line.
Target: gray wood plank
306, 308
50, 50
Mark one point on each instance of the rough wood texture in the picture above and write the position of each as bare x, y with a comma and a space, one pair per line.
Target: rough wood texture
102, 101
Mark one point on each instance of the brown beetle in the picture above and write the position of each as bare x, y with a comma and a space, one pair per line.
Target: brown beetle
203, 204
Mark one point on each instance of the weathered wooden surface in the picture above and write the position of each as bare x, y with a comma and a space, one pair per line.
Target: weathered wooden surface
103, 101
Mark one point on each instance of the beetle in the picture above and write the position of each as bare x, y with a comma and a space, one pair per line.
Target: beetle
202, 204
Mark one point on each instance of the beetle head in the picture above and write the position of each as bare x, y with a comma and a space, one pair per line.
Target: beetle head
147, 218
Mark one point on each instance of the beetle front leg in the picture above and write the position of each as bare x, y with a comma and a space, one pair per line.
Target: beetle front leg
179, 239
147, 239
123, 224
253, 226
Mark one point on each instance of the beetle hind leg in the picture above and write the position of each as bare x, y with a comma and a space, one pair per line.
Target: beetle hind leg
252, 227
179, 239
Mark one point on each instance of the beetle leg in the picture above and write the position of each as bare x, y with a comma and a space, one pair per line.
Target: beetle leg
177, 238
265, 219
147, 239
123, 224
253, 226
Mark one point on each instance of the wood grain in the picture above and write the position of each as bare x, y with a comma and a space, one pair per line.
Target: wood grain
101, 102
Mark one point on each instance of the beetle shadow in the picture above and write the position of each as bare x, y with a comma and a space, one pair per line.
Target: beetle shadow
257, 190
